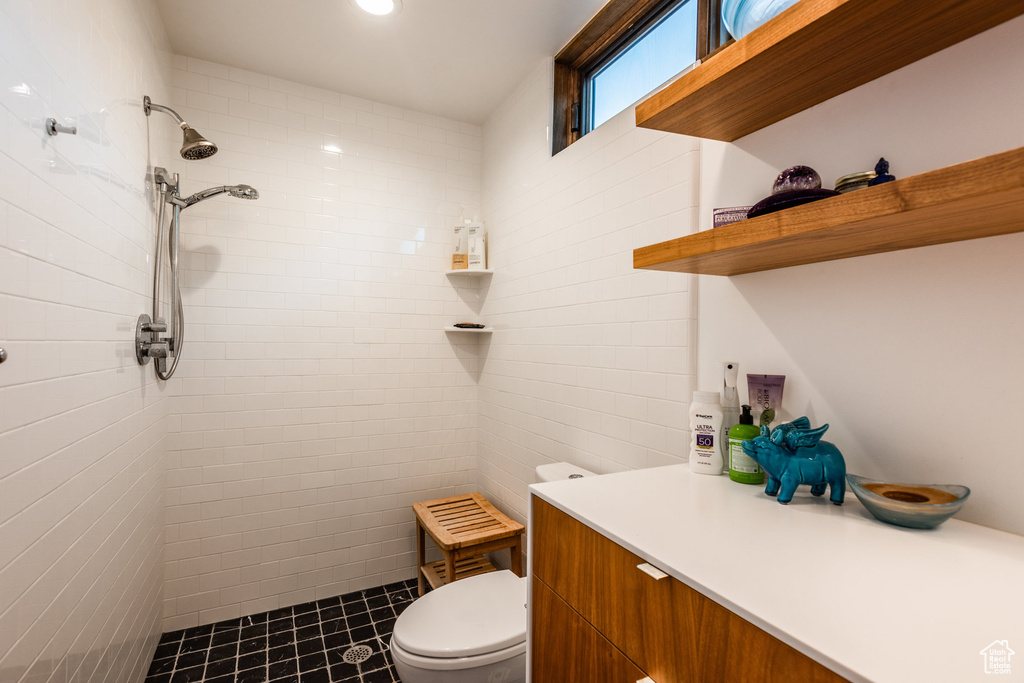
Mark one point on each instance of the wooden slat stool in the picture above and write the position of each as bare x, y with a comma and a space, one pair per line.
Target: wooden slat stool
463, 527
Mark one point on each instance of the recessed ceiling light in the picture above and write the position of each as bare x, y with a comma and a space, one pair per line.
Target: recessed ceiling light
379, 7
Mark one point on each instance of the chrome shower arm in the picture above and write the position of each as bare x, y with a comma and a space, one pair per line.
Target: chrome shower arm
148, 107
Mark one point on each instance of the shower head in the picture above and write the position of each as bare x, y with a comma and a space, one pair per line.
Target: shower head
194, 146
240, 191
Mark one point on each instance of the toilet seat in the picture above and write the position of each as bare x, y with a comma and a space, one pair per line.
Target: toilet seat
476, 616
455, 663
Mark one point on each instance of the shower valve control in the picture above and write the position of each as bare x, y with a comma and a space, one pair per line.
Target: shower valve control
148, 344
157, 350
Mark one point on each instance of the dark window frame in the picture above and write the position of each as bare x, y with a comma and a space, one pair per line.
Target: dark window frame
614, 27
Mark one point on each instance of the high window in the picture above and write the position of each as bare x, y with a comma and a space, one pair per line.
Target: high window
629, 49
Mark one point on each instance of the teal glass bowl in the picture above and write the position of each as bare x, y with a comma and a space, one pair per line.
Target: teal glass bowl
743, 16
907, 504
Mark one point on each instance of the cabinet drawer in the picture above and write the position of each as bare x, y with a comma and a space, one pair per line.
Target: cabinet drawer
667, 629
654, 622
566, 648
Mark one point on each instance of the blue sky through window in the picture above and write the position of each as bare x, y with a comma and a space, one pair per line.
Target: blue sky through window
661, 53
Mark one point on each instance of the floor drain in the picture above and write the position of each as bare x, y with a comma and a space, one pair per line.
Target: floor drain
357, 653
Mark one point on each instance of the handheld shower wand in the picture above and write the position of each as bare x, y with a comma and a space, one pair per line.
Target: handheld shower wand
239, 191
194, 146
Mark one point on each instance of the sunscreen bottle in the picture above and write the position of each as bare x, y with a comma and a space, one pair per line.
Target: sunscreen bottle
706, 433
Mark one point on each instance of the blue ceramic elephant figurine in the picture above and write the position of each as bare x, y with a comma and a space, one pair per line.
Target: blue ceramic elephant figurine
793, 454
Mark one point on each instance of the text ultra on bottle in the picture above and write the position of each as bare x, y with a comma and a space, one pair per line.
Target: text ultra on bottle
706, 433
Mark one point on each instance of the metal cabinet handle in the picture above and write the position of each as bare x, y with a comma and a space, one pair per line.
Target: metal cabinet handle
3, 355
653, 572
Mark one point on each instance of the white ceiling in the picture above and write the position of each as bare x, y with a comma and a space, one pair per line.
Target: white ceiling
454, 58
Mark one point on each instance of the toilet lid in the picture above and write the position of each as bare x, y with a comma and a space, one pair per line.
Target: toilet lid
471, 616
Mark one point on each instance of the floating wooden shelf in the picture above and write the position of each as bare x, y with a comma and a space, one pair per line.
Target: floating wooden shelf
978, 198
812, 52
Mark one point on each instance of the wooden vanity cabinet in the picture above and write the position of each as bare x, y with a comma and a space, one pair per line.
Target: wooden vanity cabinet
590, 594
573, 650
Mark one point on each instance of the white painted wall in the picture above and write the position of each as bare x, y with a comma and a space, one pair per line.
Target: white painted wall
591, 361
318, 396
81, 424
913, 357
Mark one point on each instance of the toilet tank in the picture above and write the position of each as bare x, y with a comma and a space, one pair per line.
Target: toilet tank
561, 470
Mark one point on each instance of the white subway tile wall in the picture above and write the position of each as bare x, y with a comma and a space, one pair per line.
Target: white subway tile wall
81, 424
593, 362
318, 396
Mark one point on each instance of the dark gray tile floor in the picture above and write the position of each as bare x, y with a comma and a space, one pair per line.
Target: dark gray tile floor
343, 639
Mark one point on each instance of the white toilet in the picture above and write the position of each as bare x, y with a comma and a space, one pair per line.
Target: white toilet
473, 630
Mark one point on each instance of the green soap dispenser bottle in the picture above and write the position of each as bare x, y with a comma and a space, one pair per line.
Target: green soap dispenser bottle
741, 467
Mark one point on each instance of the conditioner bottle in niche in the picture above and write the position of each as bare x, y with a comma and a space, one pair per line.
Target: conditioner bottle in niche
706, 433
741, 467
459, 257
477, 247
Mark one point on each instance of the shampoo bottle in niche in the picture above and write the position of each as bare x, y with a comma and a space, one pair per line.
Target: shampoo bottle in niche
477, 247
460, 259
742, 467
706, 433
730, 408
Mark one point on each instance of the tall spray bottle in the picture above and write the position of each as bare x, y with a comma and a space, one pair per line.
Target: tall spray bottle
730, 405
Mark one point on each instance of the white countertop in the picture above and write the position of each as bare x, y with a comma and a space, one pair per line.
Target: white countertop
871, 601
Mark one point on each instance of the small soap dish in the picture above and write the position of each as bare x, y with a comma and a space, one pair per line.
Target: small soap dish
918, 506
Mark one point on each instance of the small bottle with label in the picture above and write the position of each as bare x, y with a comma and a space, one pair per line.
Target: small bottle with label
706, 433
742, 467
